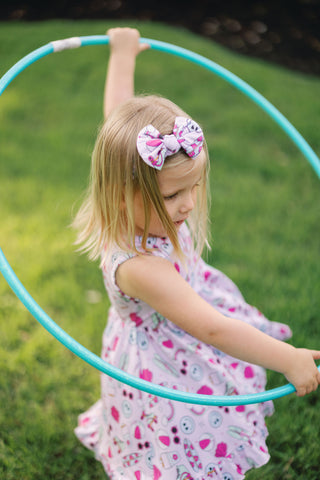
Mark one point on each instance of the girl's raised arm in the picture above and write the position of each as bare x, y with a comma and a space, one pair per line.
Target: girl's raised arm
156, 282
119, 86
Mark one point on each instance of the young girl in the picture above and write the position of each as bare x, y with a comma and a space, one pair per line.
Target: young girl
173, 320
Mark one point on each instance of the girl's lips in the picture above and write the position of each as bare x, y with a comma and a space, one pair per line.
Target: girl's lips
180, 222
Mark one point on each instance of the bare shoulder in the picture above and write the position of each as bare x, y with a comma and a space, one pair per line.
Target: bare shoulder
138, 273
155, 281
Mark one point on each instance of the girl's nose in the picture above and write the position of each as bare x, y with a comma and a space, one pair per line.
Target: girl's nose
188, 203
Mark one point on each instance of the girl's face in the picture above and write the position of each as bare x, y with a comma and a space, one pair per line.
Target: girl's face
178, 186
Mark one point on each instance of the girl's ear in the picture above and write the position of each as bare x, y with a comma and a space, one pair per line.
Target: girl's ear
125, 197
123, 201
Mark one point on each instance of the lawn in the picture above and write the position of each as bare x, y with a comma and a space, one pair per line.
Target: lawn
265, 227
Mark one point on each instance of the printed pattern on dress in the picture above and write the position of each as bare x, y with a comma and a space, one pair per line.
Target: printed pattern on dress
140, 436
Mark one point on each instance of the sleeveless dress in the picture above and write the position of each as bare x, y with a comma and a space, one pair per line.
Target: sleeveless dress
140, 436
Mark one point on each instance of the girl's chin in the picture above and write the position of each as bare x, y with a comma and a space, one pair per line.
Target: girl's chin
159, 232
178, 224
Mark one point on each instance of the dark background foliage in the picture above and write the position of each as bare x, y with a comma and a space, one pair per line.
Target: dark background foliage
280, 31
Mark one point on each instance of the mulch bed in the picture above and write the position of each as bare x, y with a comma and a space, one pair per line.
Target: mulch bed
287, 33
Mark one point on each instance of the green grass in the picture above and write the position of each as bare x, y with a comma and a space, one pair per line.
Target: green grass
265, 231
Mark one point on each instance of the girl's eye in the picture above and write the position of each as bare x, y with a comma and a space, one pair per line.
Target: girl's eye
170, 197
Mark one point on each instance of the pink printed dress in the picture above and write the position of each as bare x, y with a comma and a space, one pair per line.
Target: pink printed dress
138, 436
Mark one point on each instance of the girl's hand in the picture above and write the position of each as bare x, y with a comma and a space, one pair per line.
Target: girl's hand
303, 373
126, 41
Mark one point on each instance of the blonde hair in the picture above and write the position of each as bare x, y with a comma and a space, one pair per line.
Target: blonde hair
106, 216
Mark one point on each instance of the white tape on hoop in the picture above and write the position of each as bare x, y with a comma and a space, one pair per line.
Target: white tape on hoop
66, 44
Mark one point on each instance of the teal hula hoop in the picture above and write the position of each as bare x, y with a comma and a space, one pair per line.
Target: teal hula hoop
42, 317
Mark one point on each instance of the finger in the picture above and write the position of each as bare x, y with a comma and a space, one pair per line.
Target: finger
143, 47
315, 354
311, 388
110, 31
301, 392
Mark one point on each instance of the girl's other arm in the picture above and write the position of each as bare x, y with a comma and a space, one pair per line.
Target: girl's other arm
119, 85
156, 282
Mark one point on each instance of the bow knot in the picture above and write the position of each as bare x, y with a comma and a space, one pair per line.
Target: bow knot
153, 147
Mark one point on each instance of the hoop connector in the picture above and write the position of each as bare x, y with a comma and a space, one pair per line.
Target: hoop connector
66, 44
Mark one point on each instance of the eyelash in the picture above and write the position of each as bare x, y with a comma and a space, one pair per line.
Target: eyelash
171, 197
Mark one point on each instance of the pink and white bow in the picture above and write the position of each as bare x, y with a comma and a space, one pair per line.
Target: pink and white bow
153, 147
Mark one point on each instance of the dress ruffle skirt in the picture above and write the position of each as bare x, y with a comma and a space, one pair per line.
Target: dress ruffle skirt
139, 436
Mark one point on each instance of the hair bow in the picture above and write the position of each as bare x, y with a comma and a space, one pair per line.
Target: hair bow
153, 147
